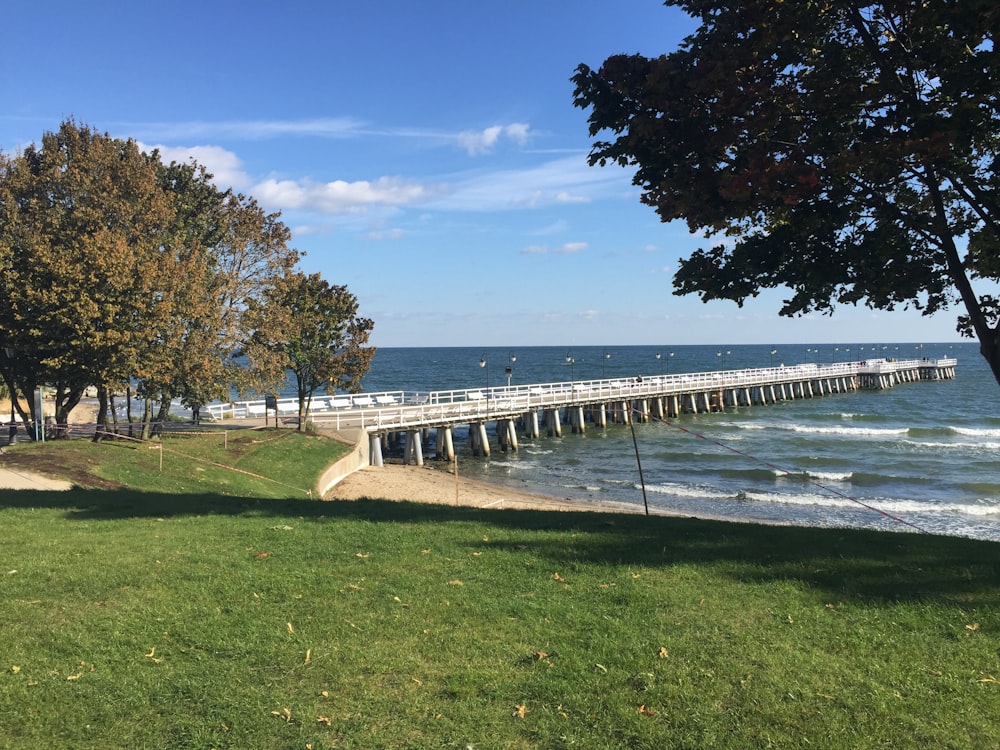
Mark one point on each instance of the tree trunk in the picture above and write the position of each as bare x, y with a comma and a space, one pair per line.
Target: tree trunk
146, 428
990, 349
102, 414
163, 413
66, 400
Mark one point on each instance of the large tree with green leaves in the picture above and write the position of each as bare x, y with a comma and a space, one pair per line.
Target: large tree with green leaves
311, 328
117, 271
81, 223
846, 151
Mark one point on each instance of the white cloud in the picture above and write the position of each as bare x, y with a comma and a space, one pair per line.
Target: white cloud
385, 234
567, 248
225, 167
330, 127
339, 196
476, 142
567, 180
306, 229
543, 185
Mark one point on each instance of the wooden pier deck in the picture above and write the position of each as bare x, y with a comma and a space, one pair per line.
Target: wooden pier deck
527, 409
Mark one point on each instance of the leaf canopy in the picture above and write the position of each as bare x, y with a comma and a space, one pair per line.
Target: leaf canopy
845, 151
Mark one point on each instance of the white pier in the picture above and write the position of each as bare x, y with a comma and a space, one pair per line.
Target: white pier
406, 418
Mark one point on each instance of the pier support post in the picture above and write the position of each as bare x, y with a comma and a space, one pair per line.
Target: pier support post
414, 451
445, 443
642, 410
511, 434
553, 427
375, 449
576, 419
625, 411
531, 424
658, 407
479, 439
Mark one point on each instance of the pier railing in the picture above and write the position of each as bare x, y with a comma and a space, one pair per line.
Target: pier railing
396, 410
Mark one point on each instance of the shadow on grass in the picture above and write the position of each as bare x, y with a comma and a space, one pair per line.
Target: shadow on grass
871, 565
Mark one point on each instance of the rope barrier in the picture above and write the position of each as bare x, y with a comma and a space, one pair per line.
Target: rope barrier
831, 490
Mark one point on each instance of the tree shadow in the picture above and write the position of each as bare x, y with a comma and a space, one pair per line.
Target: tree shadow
878, 566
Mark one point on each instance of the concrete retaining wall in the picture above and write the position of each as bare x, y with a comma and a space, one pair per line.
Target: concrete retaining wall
356, 459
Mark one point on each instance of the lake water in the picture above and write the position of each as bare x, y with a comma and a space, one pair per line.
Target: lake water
924, 455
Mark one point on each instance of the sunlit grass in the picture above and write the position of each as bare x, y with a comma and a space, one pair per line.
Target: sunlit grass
148, 618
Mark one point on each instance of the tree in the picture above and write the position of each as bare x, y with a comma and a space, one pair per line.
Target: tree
117, 271
80, 231
223, 250
312, 328
847, 151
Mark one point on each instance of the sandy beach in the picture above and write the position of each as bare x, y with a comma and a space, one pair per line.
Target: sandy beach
424, 484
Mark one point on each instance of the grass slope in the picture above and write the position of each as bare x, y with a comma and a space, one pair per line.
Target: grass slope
179, 618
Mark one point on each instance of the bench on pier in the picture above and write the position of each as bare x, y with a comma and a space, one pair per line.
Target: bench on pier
363, 401
386, 400
474, 395
340, 403
256, 410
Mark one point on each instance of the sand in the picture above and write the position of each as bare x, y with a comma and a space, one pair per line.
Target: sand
424, 484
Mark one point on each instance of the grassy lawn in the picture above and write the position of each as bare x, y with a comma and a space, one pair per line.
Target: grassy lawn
184, 612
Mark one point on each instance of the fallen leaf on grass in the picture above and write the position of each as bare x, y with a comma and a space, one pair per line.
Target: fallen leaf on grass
645, 711
152, 655
989, 678
285, 713
15, 669
557, 577
663, 653
82, 666
602, 668
262, 555
520, 711
539, 655
362, 555
455, 582
290, 628
972, 626
323, 720
308, 655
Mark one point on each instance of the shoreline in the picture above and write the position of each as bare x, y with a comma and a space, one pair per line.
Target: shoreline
425, 484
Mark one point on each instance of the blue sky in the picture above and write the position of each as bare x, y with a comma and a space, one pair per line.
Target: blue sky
427, 155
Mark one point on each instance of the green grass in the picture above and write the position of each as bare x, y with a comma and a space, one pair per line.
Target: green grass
244, 463
146, 618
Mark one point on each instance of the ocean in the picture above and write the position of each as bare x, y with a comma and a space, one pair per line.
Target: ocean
920, 456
